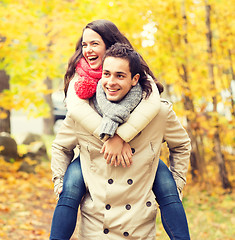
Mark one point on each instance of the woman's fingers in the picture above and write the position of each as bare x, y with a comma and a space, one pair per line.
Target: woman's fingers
113, 160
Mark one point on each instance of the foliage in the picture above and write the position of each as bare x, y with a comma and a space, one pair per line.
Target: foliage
38, 38
25, 201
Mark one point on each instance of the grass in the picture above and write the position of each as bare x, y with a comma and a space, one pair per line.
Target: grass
210, 215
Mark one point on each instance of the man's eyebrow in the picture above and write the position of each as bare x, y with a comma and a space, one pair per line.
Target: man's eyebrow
121, 73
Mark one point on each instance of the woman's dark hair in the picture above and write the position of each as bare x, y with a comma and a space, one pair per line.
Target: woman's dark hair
124, 51
110, 35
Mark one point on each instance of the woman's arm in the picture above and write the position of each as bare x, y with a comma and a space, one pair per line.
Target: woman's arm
82, 112
141, 116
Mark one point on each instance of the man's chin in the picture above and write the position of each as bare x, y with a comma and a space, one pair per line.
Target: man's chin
112, 99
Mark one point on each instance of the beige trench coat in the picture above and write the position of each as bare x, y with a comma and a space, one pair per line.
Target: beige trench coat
120, 203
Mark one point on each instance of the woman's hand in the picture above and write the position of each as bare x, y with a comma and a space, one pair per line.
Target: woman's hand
117, 151
127, 154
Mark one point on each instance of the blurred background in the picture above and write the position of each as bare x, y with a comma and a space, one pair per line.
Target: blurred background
188, 44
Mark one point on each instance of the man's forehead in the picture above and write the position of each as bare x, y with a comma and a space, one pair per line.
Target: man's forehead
116, 64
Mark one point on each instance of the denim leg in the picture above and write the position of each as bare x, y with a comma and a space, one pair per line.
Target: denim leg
172, 211
65, 214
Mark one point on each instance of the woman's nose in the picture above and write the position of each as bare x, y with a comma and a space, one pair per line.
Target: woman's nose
89, 48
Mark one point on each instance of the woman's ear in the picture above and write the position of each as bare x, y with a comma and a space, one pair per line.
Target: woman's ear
135, 79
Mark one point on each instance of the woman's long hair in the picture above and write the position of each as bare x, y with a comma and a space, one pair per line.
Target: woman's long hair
110, 35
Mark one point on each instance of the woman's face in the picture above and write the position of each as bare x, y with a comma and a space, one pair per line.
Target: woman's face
93, 48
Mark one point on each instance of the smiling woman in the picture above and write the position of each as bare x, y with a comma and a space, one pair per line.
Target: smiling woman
93, 48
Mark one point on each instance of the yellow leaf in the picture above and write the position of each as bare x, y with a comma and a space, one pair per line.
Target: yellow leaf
2, 148
3, 115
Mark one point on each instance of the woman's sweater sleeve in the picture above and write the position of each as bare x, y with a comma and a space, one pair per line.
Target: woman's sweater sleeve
141, 116
82, 112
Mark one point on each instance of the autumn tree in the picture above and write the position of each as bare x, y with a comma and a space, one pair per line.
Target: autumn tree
4, 113
217, 142
174, 37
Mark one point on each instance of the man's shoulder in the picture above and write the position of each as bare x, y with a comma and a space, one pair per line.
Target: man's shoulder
165, 107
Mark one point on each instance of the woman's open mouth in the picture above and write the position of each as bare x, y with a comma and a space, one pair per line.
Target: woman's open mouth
92, 59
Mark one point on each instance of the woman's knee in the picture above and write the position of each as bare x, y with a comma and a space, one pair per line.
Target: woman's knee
73, 179
164, 186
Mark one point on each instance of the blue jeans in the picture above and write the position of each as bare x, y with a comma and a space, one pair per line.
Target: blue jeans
172, 211
65, 214
164, 187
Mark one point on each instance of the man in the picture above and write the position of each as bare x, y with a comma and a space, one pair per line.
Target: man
119, 203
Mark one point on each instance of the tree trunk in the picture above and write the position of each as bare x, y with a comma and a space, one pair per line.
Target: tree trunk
5, 124
196, 158
233, 79
217, 144
48, 122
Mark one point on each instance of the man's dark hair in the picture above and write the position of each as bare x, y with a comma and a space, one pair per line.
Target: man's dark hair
124, 51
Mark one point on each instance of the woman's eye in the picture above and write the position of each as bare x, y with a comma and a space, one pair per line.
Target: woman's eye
95, 43
106, 74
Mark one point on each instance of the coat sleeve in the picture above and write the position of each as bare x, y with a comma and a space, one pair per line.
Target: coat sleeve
83, 113
62, 152
141, 116
179, 145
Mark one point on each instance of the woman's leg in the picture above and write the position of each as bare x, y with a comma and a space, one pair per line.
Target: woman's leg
65, 215
172, 211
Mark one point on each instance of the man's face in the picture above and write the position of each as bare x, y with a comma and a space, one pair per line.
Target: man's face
116, 78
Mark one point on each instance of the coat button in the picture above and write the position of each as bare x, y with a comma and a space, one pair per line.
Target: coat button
133, 150
107, 206
148, 204
128, 207
126, 234
110, 181
129, 181
106, 231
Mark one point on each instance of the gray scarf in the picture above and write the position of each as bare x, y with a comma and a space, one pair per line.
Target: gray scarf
115, 113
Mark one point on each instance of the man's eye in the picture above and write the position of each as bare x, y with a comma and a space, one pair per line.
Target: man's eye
120, 76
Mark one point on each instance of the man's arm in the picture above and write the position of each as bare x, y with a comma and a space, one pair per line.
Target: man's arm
62, 152
179, 145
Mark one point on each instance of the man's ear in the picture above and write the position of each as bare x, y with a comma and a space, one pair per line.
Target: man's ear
135, 79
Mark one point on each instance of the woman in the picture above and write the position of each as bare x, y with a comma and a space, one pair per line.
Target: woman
97, 37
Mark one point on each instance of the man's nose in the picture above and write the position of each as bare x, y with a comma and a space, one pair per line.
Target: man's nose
112, 81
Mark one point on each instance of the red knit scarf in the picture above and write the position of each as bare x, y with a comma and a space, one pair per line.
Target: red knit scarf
85, 87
